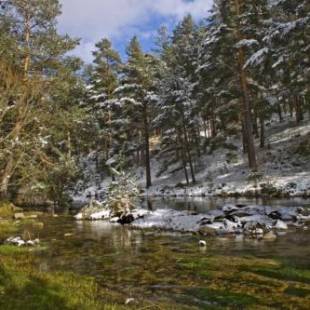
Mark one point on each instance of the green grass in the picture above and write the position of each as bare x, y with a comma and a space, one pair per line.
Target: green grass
24, 286
285, 273
299, 292
223, 298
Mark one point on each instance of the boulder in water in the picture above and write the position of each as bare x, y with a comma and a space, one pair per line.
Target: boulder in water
126, 219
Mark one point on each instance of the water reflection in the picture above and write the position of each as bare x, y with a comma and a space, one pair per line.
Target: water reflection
148, 263
203, 204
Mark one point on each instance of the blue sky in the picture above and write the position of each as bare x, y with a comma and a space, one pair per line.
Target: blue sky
119, 20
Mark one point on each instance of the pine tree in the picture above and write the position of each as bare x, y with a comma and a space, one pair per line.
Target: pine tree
136, 96
103, 82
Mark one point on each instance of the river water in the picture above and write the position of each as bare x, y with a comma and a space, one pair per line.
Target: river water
171, 267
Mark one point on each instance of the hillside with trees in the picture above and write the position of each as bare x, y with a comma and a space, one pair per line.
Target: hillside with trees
229, 84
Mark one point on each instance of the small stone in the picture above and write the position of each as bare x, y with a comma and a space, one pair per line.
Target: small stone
129, 301
19, 216
68, 235
202, 243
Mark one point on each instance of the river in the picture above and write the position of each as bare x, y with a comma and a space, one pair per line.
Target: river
171, 267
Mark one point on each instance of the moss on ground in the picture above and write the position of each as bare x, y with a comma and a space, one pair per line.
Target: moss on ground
170, 278
24, 286
249, 283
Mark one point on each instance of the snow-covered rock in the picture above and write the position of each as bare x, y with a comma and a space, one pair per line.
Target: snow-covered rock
101, 215
280, 225
18, 241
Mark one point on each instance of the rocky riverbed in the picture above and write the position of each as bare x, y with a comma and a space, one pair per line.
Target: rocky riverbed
235, 219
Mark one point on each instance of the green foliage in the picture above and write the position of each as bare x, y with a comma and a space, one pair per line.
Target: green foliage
122, 194
40, 109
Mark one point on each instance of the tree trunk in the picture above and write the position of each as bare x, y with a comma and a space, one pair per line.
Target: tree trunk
298, 110
255, 124
262, 131
197, 141
205, 129
213, 121
188, 151
244, 140
280, 112
147, 148
181, 143
247, 114
27, 31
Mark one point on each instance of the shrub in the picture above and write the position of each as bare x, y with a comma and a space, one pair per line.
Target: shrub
122, 194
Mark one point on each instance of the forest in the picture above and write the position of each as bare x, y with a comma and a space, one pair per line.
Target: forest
219, 108
227, 76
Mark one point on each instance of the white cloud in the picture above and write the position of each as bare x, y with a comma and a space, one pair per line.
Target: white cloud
94, 19
179, 8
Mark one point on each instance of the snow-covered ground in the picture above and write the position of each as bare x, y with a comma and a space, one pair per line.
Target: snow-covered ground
281, 167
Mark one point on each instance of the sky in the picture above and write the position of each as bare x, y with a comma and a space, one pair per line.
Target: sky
120, 20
